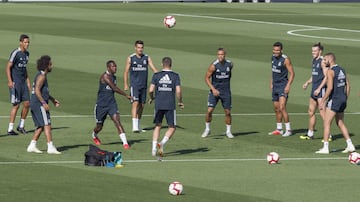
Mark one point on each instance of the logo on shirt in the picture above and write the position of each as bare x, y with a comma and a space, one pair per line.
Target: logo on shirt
165, 80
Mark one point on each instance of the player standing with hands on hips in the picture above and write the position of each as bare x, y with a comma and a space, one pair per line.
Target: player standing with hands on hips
337, 92
218, 77
282, 77
40, 109
164, 89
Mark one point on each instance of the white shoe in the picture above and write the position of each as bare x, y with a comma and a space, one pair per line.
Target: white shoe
287, 133
229, 135
349, 149
33, 149
52, 150
153, 152
205, 133
322, 151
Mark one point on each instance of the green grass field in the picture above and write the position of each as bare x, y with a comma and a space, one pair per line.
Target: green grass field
82, 37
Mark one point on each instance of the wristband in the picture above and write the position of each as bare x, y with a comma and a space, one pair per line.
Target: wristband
43, 102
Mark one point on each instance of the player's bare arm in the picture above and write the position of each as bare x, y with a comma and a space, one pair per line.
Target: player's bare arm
329, 87
323, 82
291, 77
208, 74
179, 97
105, 78
347, 87
307, 83
8, 74
152, 66
126, 73
37, 89
151, 93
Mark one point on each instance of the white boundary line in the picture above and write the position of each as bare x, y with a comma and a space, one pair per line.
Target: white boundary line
178, 160
291, 32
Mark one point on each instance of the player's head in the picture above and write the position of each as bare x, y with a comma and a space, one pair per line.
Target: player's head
24, 41
316, 50
329, 59
111, 66
221, 53
277, 49
44, 63
166, 62
139, 47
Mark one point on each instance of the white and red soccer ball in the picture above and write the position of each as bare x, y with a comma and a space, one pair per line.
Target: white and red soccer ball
175, 188
169, 21
273, 158
354, 158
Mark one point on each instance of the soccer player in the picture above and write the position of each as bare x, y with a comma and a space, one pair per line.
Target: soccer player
337, 92
19, 84
282, 76
137, 64
40, 109
106, 104
318, 82
164, 87
218, 77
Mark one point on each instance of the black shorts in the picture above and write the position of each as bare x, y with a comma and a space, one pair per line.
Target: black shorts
138, 94
40, 116
19, 93
320, 95
278, 92
102, 111
170, 116
336, 106
224, 98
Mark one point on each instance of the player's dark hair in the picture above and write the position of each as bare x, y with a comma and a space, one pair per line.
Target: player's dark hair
139, 42
110, 62
167, 62
222, 49
23, 36
43, 62
321, 47
278, 44
331, 55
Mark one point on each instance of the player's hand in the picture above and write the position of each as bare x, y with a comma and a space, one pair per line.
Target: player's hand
305, 85
56, 103
181, 105
130, 98
126, 87
316, 92
150, 101
215, 92
11, 84
287, 89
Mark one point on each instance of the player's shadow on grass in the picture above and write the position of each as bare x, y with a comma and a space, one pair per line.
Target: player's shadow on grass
162, 127
301, 131
187, 151
223, 135
31, 132
67, 147
131, 142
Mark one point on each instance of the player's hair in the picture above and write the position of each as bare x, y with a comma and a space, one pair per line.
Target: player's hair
332, 55
43, 62
23, 36
110, 62
167, 62
139, 42
321, 47
222, 49
278, 44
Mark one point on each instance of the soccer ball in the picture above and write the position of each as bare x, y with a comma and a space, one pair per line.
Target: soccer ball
273, 158
169, 21
175, 188
354, 158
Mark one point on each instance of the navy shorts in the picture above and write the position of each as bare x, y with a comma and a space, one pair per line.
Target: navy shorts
19, 93
102, 111
170, 116
320, 95
224, 98
278, 92
40, 116
138, 94
336, 106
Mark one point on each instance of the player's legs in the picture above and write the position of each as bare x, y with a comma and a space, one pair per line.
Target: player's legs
329, 117
13, 112
51, 149
313, 104
341, 124
158, 117
226, 104
25, 98
139, 98
208, 119
285, 115
116, 119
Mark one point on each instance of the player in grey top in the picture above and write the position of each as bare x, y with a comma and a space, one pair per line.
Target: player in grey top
137, 66
282, 77
318, 83
19, 83
337, 92
106, 104
40, 109
164, 87
217, 78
